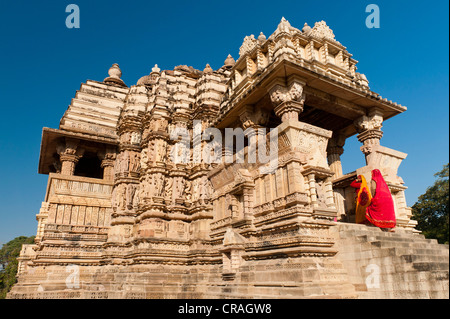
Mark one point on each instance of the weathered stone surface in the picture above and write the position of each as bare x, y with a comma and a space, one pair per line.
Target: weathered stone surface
122, 219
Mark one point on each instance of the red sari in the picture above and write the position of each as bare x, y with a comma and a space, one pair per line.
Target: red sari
381, 211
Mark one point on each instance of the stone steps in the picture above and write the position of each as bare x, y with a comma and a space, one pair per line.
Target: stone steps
391, 243
396, 239
408, 265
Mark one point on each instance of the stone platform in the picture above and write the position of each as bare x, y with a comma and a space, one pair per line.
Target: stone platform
407, 266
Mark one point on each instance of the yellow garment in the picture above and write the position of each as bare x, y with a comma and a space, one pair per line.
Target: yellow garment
362, 201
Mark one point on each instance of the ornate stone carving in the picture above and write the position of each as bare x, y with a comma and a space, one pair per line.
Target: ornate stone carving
335, 149
369, 128
369, 123
108, 158
144, 158
296, 92
321, 30
248, 45
288, 101
69, 154
283, 27
253, 117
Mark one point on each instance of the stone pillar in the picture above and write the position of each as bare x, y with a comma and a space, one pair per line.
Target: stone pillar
369, 129
69, 155
125, 173
312, 190
42, 220
227, 151
182, 189
335, 149
108, 158
339, 197
253, 121
248, 202
233, 247
329, 195
287, 100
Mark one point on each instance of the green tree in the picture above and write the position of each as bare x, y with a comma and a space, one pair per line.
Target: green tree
8, 262
432, 208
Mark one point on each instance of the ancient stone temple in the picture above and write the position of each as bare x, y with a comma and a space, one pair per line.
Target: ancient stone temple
122, 219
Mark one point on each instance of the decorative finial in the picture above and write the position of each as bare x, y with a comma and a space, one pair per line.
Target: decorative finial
306, 27
229, 61
155, 69
151, 78
207, 69
261, 37
283, 27
115, 75
115, 71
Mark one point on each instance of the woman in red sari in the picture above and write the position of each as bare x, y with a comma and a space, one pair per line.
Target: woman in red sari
363, 199
381, 211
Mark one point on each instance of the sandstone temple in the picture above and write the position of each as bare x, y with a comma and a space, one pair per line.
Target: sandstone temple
121, 219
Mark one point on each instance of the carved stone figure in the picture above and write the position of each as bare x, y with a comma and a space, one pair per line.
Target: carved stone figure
136, 199
122, 200
124, 162
158, 183
168, 188
131, 189
135, 138
144, 159
135, 162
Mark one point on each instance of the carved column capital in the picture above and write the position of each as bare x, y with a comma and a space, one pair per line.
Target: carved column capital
370, 137
287, 100
369, 129
338, 150
67, 147
373, 121
336, 144
69, 154
108, 157
252, 117
335, 149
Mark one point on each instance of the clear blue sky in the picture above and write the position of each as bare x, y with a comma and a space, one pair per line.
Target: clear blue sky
42, 64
